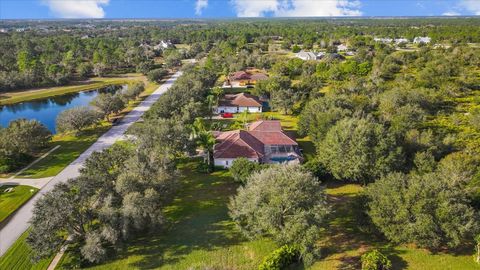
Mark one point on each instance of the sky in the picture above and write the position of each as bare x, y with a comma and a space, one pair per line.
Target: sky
51, 9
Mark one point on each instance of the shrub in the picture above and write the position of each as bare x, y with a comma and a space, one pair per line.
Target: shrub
375, 260
76, 119
280, 258
156, 75
242, 168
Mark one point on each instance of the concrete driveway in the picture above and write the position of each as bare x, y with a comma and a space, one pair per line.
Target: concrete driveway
33, 182
19, 222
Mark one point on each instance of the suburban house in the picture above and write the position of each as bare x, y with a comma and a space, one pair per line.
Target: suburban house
245, 78
237, 103
418, 40
263, 142
342, 48
309, 55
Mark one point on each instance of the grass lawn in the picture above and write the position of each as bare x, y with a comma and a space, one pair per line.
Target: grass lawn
199, 234
20, 96
343, 242
19, 255
10, 201
70, 148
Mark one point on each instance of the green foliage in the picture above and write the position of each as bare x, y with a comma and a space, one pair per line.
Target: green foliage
429, 209
76, 119
21, 140
280, 258
283, 202
295, 48
156, 75
359, 150
242, 168
119, 191
108, 103
375, 260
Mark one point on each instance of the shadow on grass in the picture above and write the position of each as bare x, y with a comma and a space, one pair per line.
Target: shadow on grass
197, 221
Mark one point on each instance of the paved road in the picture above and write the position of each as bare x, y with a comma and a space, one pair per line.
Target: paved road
34, 182
19, 222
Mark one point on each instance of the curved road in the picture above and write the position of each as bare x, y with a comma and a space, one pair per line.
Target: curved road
19, 222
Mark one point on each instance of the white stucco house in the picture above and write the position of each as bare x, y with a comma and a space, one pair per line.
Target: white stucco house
263, 142
425, 40
237, 103
309, 55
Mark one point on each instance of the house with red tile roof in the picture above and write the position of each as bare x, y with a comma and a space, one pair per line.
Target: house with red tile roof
236, 103
245, 78
263, 142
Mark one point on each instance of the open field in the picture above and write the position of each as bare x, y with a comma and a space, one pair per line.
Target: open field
10, 201
21, 96
19, 257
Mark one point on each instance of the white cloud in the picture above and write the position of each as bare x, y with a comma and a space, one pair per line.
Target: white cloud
77, 8
451, 13
200, 5
297, 8
471, 5
254, 8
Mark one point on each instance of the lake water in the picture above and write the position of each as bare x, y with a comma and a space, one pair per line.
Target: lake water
45, 110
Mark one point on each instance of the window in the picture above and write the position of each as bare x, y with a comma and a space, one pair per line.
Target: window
226, 162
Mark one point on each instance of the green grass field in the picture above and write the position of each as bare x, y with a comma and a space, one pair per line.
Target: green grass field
10, 201
18, 257
70, 148
199, 234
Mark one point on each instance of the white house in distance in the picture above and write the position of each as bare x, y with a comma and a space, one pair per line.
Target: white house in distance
342, 48
425, 40
263, 142
401, 40
237, 103
309, 55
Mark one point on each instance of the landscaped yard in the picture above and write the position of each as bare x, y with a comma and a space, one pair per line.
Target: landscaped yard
10, 201
18, 257
199, 234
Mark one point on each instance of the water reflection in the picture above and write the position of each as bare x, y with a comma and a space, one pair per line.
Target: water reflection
46, 110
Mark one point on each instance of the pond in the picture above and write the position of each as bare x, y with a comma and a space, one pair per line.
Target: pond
45, 110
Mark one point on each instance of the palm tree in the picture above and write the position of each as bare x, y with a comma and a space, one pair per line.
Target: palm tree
204, 139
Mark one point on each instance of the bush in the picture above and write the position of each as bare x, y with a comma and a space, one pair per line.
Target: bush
280, 258
156, 75
375, 260
76, 119
242, 168
284, 202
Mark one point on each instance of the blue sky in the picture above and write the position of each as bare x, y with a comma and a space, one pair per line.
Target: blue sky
21, 9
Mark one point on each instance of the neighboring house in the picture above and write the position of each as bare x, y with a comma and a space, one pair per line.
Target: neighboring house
236, 103
306, 56
383, 40
342, 48
425, 40
245, 78
263, 142
163, 45
400, 40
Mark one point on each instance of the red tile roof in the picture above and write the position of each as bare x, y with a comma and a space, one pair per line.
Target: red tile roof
246, 75
240, 100
251, 143
266, 125
238, 143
